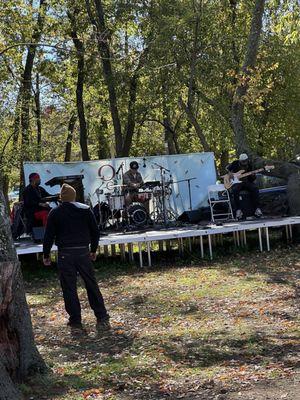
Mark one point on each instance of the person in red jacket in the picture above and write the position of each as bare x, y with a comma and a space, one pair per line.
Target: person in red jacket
35, 208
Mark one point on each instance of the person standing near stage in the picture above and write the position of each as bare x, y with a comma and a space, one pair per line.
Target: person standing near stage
247, 183
72, 226
35, 208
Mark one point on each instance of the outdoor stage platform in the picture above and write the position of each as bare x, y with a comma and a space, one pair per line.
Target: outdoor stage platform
206, 236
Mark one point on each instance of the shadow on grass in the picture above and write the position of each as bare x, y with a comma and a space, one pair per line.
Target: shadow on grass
253, 349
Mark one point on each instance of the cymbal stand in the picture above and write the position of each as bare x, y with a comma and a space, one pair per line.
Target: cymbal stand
163, 170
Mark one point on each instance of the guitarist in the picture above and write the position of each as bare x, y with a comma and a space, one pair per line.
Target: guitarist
243, 163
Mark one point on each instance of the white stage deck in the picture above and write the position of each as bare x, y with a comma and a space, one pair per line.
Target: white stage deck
211, 231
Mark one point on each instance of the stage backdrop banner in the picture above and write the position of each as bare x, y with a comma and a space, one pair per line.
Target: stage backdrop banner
103, 174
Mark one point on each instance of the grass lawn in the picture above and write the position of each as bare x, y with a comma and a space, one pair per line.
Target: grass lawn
194, 330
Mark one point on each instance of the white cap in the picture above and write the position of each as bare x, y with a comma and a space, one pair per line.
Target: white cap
243, 157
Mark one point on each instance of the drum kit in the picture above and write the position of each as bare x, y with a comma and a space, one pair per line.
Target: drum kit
150, 204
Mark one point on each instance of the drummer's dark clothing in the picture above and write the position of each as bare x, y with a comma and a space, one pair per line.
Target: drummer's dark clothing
247, 184
32, 196
130, 179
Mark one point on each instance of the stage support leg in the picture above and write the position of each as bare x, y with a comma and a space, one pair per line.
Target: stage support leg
113, 250
267, 238
105, 248
168, 245
287, 232
130, 251
149, 254
245, 238
140, 254
214, 240
122, 251
234, 237
181, 251
221, 239
161, 246
210, 247
291, 232
190, 244
201, 247
238, 238
260, 239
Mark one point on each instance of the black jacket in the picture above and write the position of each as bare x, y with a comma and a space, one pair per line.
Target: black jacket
235, 166
71, 225
32, 196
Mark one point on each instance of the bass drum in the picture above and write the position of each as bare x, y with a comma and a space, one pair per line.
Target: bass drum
137, 214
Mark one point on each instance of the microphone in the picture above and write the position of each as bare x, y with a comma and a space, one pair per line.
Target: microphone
118, 170
144, 162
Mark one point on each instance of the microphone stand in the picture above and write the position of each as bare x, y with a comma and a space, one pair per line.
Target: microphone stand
188, 180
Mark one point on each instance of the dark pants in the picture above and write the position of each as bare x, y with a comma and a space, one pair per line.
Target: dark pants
73, 261
251, 188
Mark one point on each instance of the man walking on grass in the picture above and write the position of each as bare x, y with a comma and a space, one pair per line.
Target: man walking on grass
73, 228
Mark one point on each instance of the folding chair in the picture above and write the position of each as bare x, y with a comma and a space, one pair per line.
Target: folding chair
219, 202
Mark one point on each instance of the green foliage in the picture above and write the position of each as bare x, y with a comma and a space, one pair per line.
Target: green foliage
164, 32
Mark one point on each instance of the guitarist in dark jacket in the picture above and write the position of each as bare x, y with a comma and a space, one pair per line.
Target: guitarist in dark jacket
247, 183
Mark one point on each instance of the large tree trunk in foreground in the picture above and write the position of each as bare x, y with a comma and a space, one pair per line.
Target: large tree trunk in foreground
19, 356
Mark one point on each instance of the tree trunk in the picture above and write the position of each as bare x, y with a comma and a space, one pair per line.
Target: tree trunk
238, 105
79, 89
224, 161
131, 111
26, 88
105, 53
103, 147
130, 116
38, 118
71, 127
188, 107
193, 121
19, 356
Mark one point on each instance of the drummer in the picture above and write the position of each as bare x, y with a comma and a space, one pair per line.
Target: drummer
132, 180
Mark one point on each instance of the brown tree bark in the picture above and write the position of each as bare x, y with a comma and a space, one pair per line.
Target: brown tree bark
27, 85
238, 104
103, 146
70, 135
193, 121
170, 135
80, 50
102, 33
131, 111
19, 356
188, 107
37, 101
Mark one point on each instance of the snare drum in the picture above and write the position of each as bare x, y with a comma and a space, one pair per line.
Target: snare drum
116, 202
142, 197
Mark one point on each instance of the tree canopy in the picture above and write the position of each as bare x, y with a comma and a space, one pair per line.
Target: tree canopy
93, 79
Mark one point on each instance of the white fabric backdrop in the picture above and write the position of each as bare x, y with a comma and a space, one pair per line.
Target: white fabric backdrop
99, 174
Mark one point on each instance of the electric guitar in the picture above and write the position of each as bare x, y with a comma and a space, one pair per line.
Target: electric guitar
234, 177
